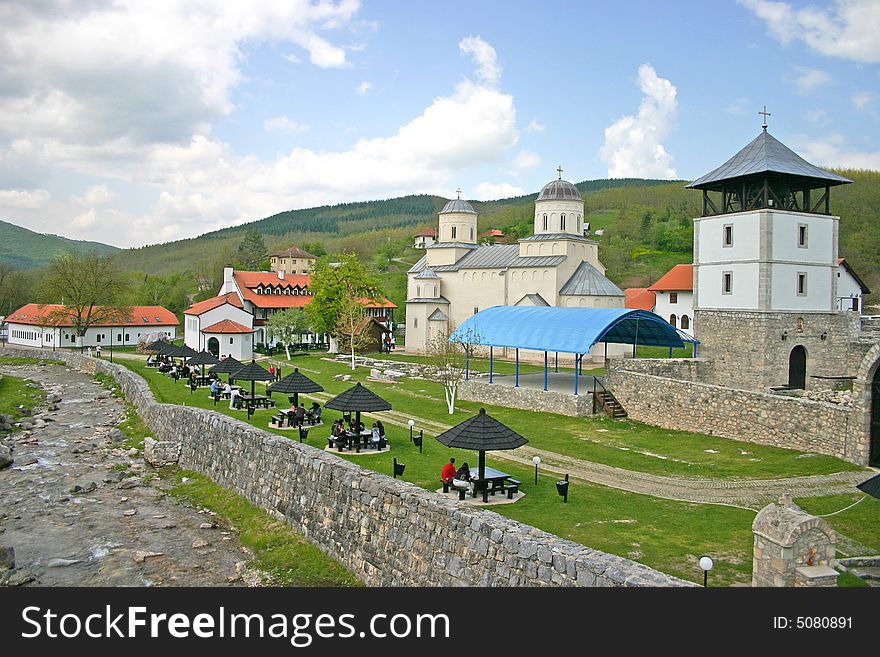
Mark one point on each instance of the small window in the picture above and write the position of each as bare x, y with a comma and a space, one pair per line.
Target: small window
685, 322
672, 320
453, 232
476, 310
562, 222
127, 337
673, 297
146, 320
727, 282
802, 284
418, 291
415, 322
728, 235
159, 321
472, 232
231, 340
802, 236
545, 222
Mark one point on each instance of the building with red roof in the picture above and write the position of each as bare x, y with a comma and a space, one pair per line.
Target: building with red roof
292, 261
675, 297
639, 298
53, 325
425, 238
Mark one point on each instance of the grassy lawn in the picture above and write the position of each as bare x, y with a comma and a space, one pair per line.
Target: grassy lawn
664, 534
15, 360
278, 549
499, 366
17, 395
860, 523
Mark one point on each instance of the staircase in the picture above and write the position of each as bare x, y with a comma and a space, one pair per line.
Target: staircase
602, 396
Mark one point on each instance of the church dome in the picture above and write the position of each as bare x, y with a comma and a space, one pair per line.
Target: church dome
559, 190
458, 205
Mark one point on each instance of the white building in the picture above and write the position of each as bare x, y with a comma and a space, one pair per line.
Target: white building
292, 261
229, 338
201, 316
425, 238
47, 326
851, 290
557, 266
674, 297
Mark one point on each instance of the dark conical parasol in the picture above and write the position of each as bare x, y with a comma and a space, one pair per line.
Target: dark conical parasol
482, 433
203, 358
358, 399
183, 352
295, 383
227, 366
253, 373
166, 349
157, 346
871, 486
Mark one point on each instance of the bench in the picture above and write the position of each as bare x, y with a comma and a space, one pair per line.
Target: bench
461, 491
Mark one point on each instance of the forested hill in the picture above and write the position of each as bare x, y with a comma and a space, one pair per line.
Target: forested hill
25, 249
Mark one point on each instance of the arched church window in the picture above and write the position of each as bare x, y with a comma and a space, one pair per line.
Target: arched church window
685, 322
562, 222
545, 222
418, 291
672, 320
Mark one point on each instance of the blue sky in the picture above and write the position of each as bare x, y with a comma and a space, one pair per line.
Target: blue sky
148, 122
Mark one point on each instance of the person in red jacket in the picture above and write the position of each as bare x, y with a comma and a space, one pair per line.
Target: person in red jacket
448, 472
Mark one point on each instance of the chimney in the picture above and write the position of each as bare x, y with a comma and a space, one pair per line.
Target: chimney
228, 283
281, 274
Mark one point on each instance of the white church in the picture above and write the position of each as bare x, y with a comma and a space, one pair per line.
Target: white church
457, 277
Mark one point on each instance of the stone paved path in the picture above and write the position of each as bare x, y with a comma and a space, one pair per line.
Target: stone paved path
93, 537
746, 493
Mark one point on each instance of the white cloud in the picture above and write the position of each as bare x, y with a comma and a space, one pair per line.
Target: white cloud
848, 29
86, 220
535, 126
810, 79
293, 59
633, 144
738, 107
833, 151
817, 116
283, 124
24, 199
525, 161
862, 99
95, 195
486, 191
488, 70
364, 88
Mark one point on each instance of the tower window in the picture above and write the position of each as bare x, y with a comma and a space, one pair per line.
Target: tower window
728, 235
562, 222
453, 232
476, 310
802, 236
727, 282
545, 222
472, 232
802, 284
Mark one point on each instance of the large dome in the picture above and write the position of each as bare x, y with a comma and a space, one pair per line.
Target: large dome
559, 190
458, 205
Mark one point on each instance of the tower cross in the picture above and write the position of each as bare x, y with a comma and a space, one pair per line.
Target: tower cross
458, 191
765, 113
559, 171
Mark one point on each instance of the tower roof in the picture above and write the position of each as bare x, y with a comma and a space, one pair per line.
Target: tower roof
458, 205
559, 190
766, 154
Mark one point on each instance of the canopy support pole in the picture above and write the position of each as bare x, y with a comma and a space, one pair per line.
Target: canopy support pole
467, 364
490, 363
577, 365
545, 371
482, 464
556, 362
636, 341
516, 384
695, 349
670, 351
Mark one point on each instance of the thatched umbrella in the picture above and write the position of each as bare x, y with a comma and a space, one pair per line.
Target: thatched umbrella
157, 346
358, 400
203, 358
293, 384
482, 433
871, 486
227, 366
253, 373
183, 352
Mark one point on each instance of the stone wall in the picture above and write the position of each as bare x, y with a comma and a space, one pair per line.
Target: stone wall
529, 399
751, 416
387, 531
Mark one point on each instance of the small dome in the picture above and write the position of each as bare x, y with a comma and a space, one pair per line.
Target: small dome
458, 205
559, 190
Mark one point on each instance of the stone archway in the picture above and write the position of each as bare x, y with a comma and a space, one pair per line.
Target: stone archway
874, 447
865, 442
797, 368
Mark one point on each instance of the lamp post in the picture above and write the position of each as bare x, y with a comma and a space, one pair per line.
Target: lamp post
706, 564
536, 460
412, 423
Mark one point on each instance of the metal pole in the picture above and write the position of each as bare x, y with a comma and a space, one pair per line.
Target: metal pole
516, 385
545, 371
636, 341
536, 474
490, 363
705, 578
467, 367
576, 364
556, 361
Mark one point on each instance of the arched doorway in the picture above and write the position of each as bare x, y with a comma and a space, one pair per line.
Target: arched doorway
214, 347
797, 368
874, 457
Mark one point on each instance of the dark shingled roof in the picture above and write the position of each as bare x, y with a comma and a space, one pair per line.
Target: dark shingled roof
589, 281
483, 433
439, 316
183, 352
157, 346
559, 190
871, 486
458, 205
252, 372
766, 154
493, 256
358, 399
203, 358
227, 366
296, 383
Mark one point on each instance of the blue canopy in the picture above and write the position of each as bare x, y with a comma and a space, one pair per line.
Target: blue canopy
569, 330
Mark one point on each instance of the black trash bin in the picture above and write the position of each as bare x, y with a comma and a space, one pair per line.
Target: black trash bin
562, 488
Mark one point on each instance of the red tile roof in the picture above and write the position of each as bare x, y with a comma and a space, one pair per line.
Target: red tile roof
680, 277
640, 298
427, 232
248, 281
227, 326
214, 302
37, 315
383, 303
294, 252
493, 233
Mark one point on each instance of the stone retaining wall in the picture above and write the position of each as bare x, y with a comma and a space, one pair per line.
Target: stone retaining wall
387, 531
529, 399
758, 417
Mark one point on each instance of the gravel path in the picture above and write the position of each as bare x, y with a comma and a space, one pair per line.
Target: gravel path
120, 528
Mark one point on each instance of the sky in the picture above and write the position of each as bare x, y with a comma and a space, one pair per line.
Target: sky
134, 123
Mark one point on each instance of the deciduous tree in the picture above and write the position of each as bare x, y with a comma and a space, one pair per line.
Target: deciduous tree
288, 324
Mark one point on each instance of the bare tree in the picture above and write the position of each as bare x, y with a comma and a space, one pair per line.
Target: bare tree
450, 358
351, 326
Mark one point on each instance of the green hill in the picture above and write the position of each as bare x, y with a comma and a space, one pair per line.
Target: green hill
25, 249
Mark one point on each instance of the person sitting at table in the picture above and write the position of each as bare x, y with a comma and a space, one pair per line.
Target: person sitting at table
462, 478
215, 387
299, 415
150, 361
381, 427
448, 472
375, 435
314, 413
338, 433
234, 398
